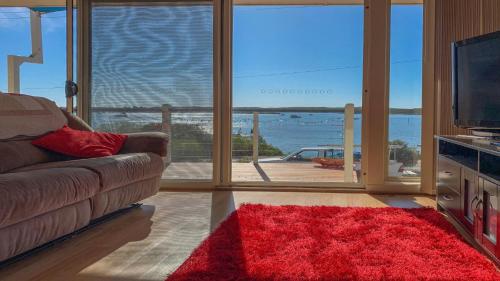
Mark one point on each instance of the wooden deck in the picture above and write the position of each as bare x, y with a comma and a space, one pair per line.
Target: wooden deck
188, 171
263, 172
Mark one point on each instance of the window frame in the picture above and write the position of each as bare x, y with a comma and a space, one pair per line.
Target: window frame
389, 178
375, 89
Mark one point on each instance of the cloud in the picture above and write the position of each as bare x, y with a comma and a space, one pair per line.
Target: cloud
12, 18
54, 21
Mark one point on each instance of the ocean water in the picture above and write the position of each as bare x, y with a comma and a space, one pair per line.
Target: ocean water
287, 131
292, 131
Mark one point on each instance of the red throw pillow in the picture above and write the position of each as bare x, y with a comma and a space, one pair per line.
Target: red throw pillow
82, 144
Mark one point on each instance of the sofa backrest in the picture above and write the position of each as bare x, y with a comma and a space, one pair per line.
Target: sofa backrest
16, 154
22, 115
23, 118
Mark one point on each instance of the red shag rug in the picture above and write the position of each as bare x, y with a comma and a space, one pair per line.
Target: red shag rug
334, 243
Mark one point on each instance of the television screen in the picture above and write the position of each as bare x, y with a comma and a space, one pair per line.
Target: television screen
476, 82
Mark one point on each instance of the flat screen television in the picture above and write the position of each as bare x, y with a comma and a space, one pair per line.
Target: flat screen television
476, 82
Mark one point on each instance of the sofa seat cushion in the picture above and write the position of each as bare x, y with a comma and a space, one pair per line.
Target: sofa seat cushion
26, 235
107, 202
25, 195
114, 171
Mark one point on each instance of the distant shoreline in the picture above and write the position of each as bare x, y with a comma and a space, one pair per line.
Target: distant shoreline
262, 110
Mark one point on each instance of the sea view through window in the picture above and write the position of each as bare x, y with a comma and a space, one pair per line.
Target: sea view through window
297, 67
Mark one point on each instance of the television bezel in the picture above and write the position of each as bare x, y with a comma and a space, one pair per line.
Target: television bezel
469, 124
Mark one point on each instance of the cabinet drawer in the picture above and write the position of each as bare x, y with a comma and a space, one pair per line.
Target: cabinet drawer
461, 154
448, 174
450, 200
489, 165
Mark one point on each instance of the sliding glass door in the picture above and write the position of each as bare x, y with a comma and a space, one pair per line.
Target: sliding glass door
297, 93
151, 69
405, 96
261, 93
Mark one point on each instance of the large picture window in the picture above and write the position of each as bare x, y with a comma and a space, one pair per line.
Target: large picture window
278, 94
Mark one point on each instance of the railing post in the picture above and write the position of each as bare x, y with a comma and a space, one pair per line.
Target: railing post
255, 138
166, 127
348, 142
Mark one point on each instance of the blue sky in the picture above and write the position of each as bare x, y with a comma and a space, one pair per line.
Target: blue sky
41, 80
283, 56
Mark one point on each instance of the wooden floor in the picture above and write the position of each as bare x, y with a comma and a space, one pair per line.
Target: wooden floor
263, 172
150, 242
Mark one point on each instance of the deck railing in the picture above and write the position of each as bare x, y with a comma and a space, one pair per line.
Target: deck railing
348, 141
348, 145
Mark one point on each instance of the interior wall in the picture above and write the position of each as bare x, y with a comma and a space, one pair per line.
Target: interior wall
491, 15
457, 20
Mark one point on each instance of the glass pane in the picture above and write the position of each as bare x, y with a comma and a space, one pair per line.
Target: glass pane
492, 219
295, 69
470, 193
490, 216
405, 102
152, 70
46, 78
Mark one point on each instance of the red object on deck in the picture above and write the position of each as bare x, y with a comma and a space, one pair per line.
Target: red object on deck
330, 162
333, 243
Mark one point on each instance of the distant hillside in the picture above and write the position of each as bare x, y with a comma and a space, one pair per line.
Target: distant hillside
406, 111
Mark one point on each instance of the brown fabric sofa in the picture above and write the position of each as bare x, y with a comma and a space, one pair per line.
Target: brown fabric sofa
44, 195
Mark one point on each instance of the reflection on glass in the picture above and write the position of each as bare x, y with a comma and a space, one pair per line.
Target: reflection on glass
152, 70
490, 216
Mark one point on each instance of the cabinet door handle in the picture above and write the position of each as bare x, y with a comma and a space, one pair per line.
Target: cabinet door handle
480, 202
472, 202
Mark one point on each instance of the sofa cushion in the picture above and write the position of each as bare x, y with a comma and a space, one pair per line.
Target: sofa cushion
22, 115
107, 202
114, 171
25, 195
154, 142
26, 235
19, 153
81, 144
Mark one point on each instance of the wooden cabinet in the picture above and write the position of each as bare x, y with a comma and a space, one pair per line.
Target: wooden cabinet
488, 216
449, 174
468, 188
448, 185
469, 191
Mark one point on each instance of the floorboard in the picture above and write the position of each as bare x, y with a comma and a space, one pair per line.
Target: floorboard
150, 242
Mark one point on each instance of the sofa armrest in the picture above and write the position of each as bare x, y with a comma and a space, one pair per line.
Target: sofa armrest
154, 142
75, 122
